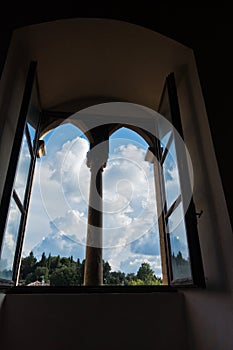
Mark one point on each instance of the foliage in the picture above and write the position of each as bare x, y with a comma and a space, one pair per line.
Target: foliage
28, 265
64, 271
64, 276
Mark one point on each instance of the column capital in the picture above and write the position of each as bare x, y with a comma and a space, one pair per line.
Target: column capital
97, 157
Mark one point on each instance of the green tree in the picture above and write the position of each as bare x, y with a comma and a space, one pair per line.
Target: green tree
147, 276
66, 261
41, 274
106, 272
145, 272
43, 260
55, 262
28, 265
136, 282
130, 277
30, 278
79, 272
116, 278
64, 276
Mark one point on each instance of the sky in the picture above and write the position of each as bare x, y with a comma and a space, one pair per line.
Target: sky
57, 219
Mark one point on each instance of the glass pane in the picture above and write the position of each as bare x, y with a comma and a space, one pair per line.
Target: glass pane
32, 132
171, 176
165, 139
22, 169
9, 241
179, 246
164, 130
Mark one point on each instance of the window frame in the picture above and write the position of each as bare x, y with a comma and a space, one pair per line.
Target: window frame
190, 219
9, 192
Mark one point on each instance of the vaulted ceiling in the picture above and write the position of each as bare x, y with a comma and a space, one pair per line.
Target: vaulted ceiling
80, 59
208, 30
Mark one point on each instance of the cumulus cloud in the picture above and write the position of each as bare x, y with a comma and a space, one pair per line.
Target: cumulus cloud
130, 211
72, 225
22, 169
65, 178
52, 194
10, 238
171, 175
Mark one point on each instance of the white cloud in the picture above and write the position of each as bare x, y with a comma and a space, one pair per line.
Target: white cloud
22, 169
10, 238
73, 225
129, 183
52, 195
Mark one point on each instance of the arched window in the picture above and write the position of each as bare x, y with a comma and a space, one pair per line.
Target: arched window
133, 206
57, 218
130, 230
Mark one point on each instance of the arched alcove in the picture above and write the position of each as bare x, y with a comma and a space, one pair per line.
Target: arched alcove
86, 61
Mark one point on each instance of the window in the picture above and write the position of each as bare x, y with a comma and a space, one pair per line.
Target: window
130, 230
148, 175
178, 214
19, 182
57, 219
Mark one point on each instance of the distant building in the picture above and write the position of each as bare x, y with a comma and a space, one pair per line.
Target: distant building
38, 283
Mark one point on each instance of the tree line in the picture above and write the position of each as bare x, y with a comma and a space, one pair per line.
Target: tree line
65, 271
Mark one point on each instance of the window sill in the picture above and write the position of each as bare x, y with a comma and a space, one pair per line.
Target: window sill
89, 289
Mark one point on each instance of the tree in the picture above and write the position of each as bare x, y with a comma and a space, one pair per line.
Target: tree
64, 276
41, 274
145, 272
64, 271
116, 278
28, 265
49, 262
130, 277
79, 272
106, 272
146, 276
136, 282
29, 278
66, 261
55, 261
43, 260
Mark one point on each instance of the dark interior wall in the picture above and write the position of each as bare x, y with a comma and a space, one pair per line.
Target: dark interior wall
94, 321
207, 30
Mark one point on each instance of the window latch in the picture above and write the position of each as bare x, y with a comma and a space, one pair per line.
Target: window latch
199, 214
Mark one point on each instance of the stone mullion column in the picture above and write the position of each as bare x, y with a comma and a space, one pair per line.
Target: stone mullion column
96, 161
93, 274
